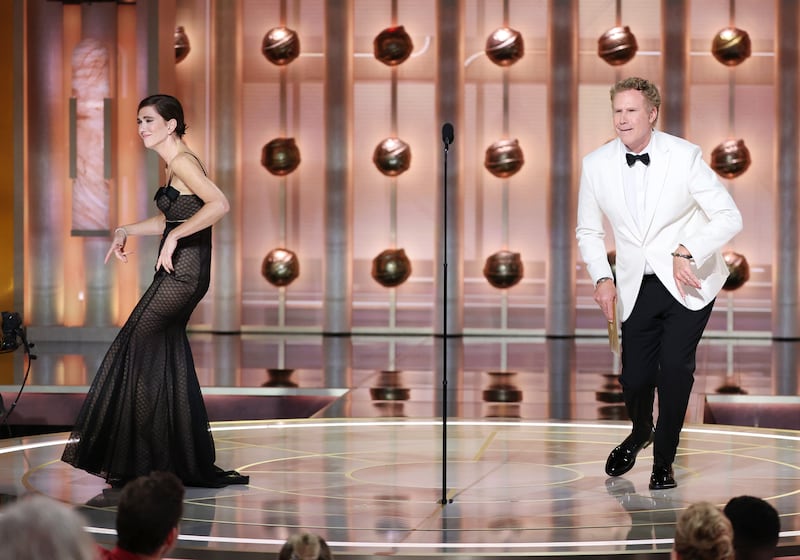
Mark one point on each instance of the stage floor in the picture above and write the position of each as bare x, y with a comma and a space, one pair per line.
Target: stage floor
525, 450
376, 487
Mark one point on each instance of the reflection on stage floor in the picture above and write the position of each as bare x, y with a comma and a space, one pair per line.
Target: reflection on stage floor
344, 436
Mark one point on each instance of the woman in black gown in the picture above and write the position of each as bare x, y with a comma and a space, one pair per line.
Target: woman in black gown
144, 410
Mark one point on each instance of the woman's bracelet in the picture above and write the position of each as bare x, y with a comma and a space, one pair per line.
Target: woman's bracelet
123, 230
681, 255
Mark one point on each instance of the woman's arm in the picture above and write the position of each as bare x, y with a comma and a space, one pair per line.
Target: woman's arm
188, 171
149, 226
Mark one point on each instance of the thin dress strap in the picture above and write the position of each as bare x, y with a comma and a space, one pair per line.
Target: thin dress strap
187, 152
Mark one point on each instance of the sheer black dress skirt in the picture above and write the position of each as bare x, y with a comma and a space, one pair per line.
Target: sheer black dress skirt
144, 410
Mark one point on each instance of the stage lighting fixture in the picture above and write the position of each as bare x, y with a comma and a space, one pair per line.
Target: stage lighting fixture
12, 331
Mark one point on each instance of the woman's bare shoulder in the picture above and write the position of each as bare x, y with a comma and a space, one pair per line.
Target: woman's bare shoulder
184, 159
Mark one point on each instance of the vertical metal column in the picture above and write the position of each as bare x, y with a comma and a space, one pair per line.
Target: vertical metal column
12, 187
563, 109
449, 108
338, 140
784, 366
784, 271
47, 160
674, 66
561, 378
17, 112
226, 114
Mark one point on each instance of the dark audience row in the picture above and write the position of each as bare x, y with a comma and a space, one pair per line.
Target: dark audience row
150, 510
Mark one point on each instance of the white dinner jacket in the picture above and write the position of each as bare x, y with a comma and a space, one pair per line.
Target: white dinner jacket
685, 203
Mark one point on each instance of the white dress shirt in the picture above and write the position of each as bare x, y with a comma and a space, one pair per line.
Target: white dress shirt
635, 186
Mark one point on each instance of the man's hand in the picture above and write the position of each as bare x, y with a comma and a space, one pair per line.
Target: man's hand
683, 270
605, 294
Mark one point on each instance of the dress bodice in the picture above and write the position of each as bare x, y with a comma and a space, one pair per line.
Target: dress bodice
177, 206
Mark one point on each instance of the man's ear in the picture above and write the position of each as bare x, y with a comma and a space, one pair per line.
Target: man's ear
172, 538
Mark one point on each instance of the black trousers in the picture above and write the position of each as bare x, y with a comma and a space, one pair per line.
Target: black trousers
659, 345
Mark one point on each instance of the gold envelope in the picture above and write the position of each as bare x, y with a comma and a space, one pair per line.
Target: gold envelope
613, 333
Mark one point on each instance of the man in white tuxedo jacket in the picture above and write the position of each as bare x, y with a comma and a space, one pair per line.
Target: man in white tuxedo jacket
670, 217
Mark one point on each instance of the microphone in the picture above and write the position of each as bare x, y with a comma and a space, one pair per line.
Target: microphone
447, 134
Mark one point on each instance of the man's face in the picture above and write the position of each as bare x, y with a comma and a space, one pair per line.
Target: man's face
633, 119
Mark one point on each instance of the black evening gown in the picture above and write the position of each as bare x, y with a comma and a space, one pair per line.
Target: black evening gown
144, 410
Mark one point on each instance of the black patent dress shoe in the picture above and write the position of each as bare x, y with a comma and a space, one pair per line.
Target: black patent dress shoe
662, 478
623, 457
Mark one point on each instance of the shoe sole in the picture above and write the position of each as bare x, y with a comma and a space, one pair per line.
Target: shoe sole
664, 487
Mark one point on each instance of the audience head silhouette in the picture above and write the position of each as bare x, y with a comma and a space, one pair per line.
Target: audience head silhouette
38, 527
703, 533
305, 546
756, 527
149, 511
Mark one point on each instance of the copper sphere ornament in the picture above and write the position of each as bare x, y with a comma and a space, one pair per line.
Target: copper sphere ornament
280, 46
389, 387
505, 46
279, 377
391, 268
392, 157
731, 46
611, 391
617, 45
182, 46
280, 156
503, 269
738, 271
280, 267
730, 159
502, 388
504, 158
393, 45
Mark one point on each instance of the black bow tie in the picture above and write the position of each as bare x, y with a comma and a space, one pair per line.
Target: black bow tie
631, 159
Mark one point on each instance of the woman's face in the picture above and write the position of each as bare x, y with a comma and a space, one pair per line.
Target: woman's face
153, 129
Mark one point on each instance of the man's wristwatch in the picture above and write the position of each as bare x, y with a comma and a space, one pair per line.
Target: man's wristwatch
601, 280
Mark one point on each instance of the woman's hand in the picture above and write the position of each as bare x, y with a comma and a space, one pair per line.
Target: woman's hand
165, 256
118, 246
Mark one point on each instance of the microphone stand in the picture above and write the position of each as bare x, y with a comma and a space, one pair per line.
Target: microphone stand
447, 137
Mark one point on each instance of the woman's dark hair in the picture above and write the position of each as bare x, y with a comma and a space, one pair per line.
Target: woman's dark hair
169, 108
